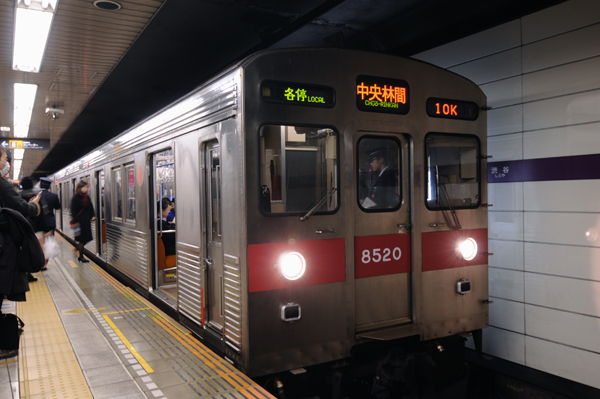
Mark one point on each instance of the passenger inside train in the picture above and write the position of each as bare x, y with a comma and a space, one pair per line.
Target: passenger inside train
166, 229
171, 215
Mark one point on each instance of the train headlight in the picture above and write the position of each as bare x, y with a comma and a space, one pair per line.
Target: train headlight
292, 265
467, 248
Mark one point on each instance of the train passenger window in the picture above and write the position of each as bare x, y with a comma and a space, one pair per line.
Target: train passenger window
378, 165
165, 174
117, 196
298, 169
130, 173
452, 178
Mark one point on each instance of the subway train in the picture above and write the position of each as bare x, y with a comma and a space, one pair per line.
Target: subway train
325, 199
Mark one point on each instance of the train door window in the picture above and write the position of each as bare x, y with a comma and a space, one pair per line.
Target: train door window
59, 221
130, 173
117, 196
101, 213
215, 193
88, 181
298, 169
67, 195
164, 166
452, 178
378, 163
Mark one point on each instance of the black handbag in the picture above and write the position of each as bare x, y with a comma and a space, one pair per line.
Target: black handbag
11, 327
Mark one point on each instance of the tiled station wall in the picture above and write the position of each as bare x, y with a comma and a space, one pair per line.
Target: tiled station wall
541, 74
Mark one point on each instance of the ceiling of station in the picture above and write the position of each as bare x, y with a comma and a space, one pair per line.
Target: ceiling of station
108, 70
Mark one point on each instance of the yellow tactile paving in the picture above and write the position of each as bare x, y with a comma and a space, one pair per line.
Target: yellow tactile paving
48, 367
239, 383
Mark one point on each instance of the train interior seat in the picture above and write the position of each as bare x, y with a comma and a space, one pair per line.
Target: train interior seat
167, 265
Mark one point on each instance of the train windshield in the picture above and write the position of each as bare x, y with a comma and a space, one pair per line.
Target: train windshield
453, 165
298, 169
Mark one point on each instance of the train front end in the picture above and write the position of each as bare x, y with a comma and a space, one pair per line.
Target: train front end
365, 216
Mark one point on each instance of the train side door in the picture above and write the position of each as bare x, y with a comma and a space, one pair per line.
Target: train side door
214, 250
100, 214
164, 227
382, 258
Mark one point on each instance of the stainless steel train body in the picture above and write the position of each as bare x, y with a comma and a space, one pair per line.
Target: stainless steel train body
277, 160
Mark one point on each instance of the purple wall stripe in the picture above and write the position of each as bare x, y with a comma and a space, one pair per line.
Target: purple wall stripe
580, 167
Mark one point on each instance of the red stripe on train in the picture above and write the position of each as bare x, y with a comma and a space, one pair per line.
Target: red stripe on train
325, 263
381, 255
439, 249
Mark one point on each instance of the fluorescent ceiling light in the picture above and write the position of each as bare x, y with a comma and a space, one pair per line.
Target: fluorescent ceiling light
33, 19
24, 99
16, 169
18, 153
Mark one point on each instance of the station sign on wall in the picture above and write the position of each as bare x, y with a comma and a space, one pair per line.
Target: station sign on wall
28, 144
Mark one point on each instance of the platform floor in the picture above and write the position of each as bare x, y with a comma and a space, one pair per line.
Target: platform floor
88, 336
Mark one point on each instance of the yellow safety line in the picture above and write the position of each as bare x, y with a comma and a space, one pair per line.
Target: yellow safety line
217, 365
125, 311
48, 366
81, 311
60, 237
200, 354
134, 352
73, 264
109, 279
158, 315
9, 362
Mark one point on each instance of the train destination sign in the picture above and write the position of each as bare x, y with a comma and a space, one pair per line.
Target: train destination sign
452, 109
375, 94
297, 94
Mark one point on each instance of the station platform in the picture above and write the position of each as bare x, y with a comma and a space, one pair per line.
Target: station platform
88, 336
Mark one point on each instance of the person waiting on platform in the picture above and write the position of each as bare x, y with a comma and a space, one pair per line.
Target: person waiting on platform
39, 222
82, 212
53, 203
13, 282
168, 238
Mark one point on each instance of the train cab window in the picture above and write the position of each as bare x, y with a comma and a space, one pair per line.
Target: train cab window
452, 178
378, 174
298, 170
117, 196
130, 173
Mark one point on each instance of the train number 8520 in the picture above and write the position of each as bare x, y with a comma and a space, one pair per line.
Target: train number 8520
381, 255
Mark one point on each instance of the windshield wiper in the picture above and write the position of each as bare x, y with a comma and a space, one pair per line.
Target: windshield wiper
443, 196
321, 202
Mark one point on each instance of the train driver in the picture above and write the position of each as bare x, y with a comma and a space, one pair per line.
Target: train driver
384, 192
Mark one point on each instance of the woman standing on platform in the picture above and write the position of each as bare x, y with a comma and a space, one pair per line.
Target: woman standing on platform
82, 211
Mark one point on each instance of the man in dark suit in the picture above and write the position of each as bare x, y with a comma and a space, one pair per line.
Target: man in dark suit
53, 203
385, 190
